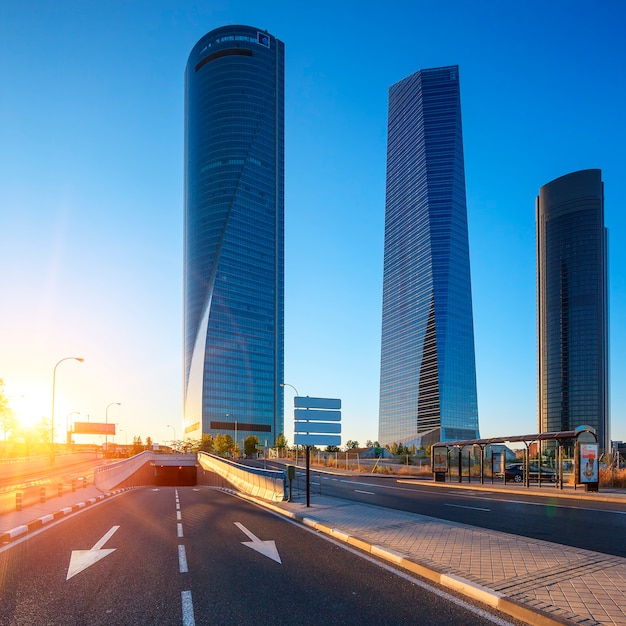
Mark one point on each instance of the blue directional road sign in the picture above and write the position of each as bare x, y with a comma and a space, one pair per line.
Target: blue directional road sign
317, 421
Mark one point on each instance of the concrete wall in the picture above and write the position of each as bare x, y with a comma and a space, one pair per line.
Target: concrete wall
218, 472
212, 470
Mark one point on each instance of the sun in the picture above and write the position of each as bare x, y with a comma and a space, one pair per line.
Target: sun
25, 411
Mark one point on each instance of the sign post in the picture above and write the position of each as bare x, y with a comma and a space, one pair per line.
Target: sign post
317, 423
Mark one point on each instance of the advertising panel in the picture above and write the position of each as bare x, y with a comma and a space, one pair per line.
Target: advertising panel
440, 459
588, 462
93, 428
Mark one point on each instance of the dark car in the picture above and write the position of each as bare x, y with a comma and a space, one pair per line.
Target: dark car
515, 472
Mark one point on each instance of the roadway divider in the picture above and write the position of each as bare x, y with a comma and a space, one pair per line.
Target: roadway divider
260, 483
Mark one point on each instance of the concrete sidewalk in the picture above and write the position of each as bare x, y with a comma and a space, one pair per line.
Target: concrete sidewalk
536, 581
16, 524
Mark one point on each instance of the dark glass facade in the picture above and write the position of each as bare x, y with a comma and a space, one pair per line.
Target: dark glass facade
572, 302
234, 235
428, 371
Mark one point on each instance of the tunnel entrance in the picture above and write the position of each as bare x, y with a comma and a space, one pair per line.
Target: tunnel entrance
175, 475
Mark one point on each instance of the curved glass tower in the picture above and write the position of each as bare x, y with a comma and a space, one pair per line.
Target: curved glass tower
428, 372
234, 235
572, 305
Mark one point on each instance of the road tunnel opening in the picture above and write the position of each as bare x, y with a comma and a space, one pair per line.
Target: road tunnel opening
175, 475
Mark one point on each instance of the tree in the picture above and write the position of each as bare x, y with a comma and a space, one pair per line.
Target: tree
7, 421
206, 444
250, 444
281, 442
149, 443
332, 449
350, 445
137, 446
222, 444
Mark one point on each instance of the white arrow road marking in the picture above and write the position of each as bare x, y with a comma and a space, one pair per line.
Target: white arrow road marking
82, 559
266, 548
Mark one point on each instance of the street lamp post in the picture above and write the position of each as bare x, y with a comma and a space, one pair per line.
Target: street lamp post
125, 436
174, 431
67, 429
54, 380
106, 421
290, 385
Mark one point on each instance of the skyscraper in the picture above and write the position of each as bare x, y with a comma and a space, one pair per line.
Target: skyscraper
572, 305
234, 235
428, 371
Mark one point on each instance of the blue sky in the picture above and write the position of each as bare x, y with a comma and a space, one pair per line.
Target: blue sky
91, 191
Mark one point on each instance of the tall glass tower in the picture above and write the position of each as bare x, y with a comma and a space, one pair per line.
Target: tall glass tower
428, 371
234, 235
572, 305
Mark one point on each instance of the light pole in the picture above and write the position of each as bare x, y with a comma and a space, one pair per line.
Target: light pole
67, 428
106, 421
54, 381
125, 436
174, 431
290, 385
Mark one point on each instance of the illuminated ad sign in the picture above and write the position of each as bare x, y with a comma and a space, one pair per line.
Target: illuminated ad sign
588, 462
263, 39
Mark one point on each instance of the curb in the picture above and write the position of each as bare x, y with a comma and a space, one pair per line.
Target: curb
470, 589
18, 532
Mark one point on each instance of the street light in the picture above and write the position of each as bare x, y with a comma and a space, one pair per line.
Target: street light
125, 435
54, 380
174, 431
288, 385
67, 428
106, 421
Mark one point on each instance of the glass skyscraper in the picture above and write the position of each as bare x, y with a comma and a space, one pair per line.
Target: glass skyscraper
428, 371
234, 235
572, 305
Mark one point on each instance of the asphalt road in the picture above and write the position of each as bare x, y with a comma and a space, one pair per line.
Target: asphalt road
579, 523
191, 556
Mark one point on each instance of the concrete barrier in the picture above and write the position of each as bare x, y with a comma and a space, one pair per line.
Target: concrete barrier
265, 484
135, 471
213, 470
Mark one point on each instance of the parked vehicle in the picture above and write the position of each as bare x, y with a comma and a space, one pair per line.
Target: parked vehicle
515, 472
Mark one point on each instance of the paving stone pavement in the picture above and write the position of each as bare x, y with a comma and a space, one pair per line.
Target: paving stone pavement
567, 584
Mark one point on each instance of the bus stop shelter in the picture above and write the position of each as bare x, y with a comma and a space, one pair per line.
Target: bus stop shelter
585, 456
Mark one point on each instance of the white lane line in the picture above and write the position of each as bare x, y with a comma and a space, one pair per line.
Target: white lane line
474, 508
182, 560
178, 516
369, 493
179, 530
485, 615
188, 619
178, 506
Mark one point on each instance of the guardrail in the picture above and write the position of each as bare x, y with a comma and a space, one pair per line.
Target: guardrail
261, 483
